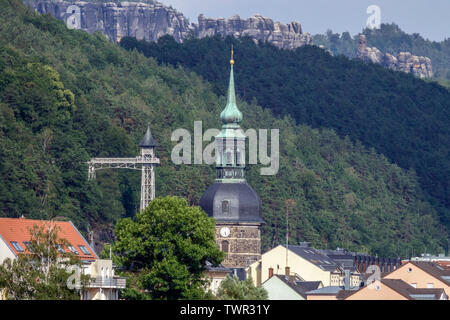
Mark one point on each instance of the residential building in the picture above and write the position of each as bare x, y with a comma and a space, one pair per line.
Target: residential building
282, 287
15, 236
422, 274
440, 259
215, 276
392, 289
304, 262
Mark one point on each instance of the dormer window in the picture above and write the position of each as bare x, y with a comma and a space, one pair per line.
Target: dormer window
226, 206
71, 248
17, 246
84, 250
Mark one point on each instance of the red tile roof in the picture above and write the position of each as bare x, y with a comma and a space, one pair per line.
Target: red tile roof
17, 229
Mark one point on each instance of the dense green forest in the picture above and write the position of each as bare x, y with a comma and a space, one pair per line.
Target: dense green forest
404, 118
66, 96
391, 39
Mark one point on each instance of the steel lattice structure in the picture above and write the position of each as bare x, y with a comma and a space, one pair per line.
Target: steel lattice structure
145, 162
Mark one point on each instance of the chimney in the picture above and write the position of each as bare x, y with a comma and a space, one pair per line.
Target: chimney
270, 273
287, 271
347, 280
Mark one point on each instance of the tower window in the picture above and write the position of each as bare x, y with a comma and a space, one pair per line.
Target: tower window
225, 246
229, 157
225, 206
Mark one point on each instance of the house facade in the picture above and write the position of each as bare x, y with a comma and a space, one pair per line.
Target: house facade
422, 274
104, 285
304, 262
392, 289
281, 287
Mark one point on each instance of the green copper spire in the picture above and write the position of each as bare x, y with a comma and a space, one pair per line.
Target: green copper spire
231, 113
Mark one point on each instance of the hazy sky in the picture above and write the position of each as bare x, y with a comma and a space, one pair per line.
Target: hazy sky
430, 18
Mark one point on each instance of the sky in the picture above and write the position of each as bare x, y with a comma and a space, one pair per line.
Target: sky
430, 18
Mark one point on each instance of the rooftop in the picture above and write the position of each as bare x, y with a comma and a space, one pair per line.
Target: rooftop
301, 287
314, 256
15, 233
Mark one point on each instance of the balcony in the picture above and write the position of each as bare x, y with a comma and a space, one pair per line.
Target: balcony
114, 283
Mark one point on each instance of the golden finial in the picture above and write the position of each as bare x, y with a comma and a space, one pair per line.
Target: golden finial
232, 52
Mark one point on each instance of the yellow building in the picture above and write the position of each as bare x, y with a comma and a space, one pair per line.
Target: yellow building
304, 262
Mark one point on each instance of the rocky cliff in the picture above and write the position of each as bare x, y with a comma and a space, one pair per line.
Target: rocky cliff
406, 62
286, 36
152, 20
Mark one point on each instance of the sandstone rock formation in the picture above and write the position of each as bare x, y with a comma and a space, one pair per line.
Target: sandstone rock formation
152, 20
148, 21
288, 36
406, 62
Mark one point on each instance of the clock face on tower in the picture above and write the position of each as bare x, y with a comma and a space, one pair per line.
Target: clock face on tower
225, 232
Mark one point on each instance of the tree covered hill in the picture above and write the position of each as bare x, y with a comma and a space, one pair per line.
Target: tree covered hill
66, 96
402, 117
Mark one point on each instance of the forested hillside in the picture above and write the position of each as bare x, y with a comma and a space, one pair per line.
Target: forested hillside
404, 118
66, 96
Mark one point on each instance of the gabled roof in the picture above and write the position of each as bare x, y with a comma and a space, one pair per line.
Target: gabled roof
410, 292
301, 287
17, 229
402, 288
435, 270
314, 256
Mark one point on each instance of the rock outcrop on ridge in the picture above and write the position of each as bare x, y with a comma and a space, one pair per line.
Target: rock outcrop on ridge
152, 20
406, 62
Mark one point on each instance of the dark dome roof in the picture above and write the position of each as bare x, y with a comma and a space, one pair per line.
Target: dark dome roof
244, 204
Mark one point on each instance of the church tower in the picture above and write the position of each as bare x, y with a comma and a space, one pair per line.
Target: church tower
230, 200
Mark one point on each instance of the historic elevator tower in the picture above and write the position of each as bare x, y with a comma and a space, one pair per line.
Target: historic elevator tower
145, 162
230, 200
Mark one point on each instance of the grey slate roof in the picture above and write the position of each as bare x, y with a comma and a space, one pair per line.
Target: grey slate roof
314, 256
301, 287
330, 290
219, 268
148, 141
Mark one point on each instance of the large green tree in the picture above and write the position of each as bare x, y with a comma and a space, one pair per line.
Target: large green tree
42, 272
168, 245
232, 288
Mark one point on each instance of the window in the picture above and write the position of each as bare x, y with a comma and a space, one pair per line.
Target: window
239, 159
414, 285
27, 244
17, 246
409, 269
229, 157
60, 248
225, 246
225, 206
430, 285
73, 250
84, 250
